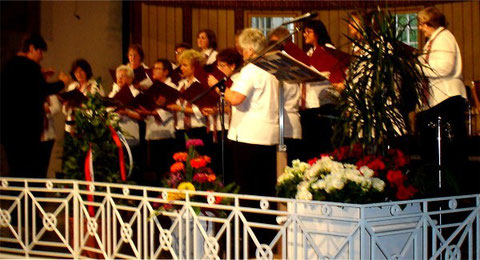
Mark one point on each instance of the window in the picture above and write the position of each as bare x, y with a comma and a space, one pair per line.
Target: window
265, 21
266, 24
407, 26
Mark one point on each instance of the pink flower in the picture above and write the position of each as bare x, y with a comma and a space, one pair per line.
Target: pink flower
194, 142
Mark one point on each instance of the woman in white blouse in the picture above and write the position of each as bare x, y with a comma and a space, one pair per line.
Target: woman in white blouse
446, 95
207, 42
254, 126
188, 118
81, 73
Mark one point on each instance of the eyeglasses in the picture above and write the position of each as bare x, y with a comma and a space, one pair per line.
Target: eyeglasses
308, 31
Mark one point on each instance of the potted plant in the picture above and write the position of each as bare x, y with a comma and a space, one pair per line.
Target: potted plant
385, 82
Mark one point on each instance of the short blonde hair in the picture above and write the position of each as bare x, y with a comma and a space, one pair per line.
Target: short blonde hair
432, 17
193, 56
252, 38
126, 68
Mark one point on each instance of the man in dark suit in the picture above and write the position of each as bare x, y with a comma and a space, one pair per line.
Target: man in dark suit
23, 92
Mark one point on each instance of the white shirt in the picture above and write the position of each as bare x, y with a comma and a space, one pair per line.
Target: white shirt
128, 125
155, 130
313, 89
445, 62
292, 125
211, 56
255, 120
92, 88
197, 119
54, 107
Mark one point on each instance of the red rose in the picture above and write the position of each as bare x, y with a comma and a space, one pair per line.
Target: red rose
395, 177
399, 159
405, 193
376, 164
312, 161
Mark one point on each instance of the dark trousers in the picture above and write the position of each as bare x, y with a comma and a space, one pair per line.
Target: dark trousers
159, 159
294, 149
453, 136
46, 151
254, 170
317, 130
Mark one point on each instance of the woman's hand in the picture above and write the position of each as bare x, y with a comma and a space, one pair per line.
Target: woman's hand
212, 80
207, 111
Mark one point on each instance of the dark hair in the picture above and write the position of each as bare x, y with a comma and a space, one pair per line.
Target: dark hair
433, 17
138, 49
230, 56
33, 39
84, 65
184, 45
166, 65
212, 38
320, 31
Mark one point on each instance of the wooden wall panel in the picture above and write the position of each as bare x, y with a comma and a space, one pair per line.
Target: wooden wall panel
162, 28
221, 21
230, 32
463, 21
475, 36
462, 16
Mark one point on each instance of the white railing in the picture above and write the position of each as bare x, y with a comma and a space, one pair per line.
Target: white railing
60, 219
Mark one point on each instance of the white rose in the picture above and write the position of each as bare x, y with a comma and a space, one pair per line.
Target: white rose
303, 195
319, 185
303, 186
378, 184
338, 183
295, 163
303, 166
367, 172
358, 179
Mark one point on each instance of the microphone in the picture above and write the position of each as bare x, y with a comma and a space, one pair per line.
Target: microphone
301, 18
221, 84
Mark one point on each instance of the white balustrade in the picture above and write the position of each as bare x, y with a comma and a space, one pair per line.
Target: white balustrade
77, 219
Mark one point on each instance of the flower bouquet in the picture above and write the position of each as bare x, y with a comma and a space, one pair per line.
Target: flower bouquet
347, 176
191, 173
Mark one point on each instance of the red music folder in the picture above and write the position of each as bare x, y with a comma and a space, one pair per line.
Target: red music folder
334, 61
161, 89
208, 100
74, 97
124, 96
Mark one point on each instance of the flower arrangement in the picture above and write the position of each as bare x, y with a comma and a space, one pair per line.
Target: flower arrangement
346, 175
190, 172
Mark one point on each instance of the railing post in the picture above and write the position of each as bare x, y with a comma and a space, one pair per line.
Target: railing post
76, 217
27, 233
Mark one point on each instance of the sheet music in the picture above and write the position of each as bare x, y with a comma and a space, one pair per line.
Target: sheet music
289, 69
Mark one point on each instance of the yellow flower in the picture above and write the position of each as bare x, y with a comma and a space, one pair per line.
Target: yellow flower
175, 196
186, 186
179, 195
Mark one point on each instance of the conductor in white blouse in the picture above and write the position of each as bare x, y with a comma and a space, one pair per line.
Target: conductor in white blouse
446, 95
